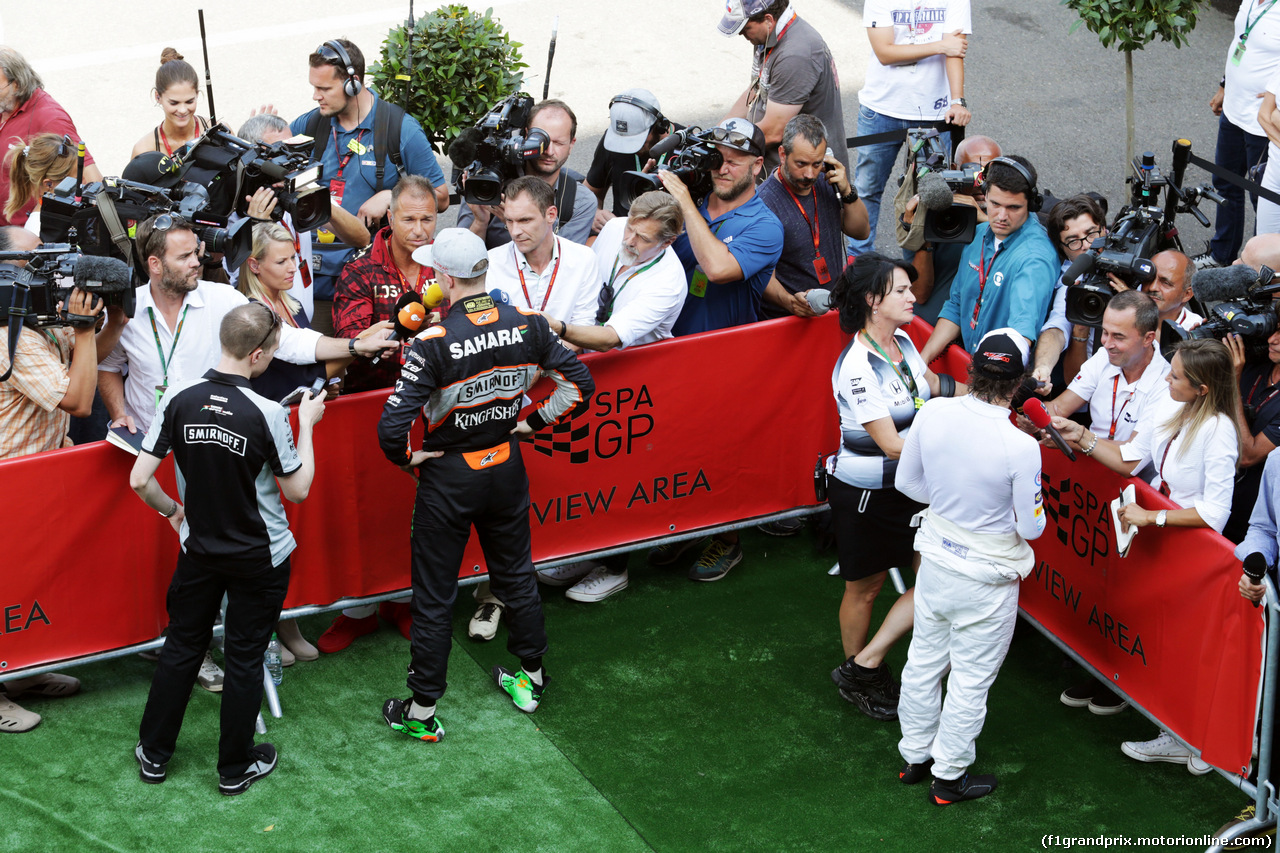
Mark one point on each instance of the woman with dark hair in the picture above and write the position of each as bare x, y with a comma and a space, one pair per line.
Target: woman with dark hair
176, 91
879, 382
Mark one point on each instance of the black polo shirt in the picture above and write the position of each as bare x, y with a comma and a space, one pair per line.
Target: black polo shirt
1262, 411
229, 444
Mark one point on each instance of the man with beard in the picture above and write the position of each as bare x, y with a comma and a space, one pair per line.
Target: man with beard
575, 206
729, 249
811, 195
173, 334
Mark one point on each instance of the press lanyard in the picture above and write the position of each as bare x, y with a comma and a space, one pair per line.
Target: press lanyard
769, 51
907, 378
303, 266
613, 276
983, 272
1275, 389
550, 284
422, 279
1249, 25
814, 225
1115, 416
1164, 485
346, 158
165, 362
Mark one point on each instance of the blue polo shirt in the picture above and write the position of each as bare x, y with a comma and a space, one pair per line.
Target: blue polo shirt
360, 177
1019, 283
754, 236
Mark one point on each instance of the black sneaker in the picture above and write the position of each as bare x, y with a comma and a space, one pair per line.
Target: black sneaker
396, 713
266, 761
913, 774
782, 527
151, 772
879, 685
868, 705
968, 787
665, 555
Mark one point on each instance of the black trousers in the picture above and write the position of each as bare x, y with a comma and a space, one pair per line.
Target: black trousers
454, 494
195, 596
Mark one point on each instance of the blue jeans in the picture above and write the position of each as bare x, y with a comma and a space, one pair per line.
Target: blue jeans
875, 163
1238, 151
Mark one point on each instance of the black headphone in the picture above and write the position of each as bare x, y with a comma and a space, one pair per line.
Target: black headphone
1035, 200
352, 85
661, 124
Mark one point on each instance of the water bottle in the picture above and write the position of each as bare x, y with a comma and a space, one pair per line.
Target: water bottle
274, 665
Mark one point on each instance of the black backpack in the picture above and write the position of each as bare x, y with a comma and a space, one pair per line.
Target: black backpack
385, 144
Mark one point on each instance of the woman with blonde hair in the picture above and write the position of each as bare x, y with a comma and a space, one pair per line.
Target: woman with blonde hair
35, 168
176, 92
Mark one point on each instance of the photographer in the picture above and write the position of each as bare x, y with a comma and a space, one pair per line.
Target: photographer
811, 195
636, 123
1007, 273
1258, 420
730, 245
937, 263
26, 110
792, 73
234, 537
345, 126
576, 208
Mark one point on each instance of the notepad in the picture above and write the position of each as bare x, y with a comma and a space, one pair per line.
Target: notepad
1123, 539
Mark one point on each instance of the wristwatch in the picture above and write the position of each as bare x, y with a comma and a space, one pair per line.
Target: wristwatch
1161, 517
959, 102
351, 346
170, 513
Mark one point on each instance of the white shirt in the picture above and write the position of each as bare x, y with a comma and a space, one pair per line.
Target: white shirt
1189, 319
566, 289
1258, 64
1201, 474
919, 90
646, 303
198, 348
1111, 399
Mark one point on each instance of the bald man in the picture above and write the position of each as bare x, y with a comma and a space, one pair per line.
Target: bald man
1171, 290
936, 265
1260, 251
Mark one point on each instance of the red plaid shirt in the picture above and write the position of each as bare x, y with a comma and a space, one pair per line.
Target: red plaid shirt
366, 293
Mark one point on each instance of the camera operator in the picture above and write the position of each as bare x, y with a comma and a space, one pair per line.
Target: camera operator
26, 110
576, 208
267, 129
345, 127
915, 74
792, 73
636, 122
936, 264
173, 334
1007, 273
811, 195
730, 245
235, 539
1258, 419
639, 303
980, 477
1253, 56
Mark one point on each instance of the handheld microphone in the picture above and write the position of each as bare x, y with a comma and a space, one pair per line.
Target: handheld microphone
500, 296
1255, 566
1223, 283
1026, 391
934, 192
410, 316
1081, 265
819, 300
1035, 412
432, 296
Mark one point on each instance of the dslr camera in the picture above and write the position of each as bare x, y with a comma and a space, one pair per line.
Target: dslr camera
487, 156
693, 158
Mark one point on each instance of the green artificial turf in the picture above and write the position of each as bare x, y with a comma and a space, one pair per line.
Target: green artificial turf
680, 716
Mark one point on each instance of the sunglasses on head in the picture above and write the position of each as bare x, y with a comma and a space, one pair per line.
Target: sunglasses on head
275, 321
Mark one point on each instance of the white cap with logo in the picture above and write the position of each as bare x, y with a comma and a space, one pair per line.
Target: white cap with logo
456, 251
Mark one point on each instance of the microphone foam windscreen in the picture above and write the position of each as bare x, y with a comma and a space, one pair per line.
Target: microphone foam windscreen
1222, 283
1035, 412
106, 275
462, 151
934, 192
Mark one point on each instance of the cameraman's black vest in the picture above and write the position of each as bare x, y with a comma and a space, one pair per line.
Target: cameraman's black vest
385, 144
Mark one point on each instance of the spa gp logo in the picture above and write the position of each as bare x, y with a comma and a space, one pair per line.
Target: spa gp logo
614, 423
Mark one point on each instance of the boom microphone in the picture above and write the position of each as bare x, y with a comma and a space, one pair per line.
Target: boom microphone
1081, 265
819, 300
934, 192
1035, 412
1255, 566
1223, 283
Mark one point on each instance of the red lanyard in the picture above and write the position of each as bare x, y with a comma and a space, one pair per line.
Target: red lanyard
347, 157
1275, 389
1115, 416
814, 225
776, 42
168, 150
983, 272
422, 279
303, 266
1164, 486
550, 284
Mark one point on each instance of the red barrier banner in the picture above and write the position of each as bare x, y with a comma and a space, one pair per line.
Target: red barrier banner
1165, 624
680, 435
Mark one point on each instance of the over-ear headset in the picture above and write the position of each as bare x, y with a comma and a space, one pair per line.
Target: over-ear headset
1035, 200
660, 125
352, 85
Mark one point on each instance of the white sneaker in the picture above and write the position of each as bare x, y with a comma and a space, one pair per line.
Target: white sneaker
597, 586
566, 575
484, 624
1163, 748
1198, 766
210, 676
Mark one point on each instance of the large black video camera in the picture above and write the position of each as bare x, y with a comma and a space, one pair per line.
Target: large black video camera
31, 293
1237, 301
495, 151
945, 220
691, 155
204, 187
1141, 230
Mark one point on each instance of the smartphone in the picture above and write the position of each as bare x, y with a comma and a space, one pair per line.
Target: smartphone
295, 396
